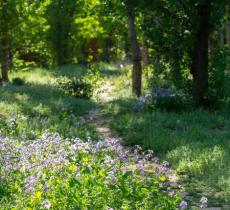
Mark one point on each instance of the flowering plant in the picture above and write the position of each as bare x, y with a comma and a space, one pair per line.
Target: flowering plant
163, 98
52, 173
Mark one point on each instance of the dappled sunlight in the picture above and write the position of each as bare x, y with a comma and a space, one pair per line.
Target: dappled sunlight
114, 105
197, 144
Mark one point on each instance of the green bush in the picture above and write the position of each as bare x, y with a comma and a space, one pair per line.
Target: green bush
18, 81
77, 87
81, 86
21, 65
164, 98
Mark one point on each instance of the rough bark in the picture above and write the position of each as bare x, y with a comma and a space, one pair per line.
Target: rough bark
136, 55
5, 43
228, 33
199, 68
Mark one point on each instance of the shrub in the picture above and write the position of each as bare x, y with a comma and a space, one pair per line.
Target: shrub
18, 81
164, 98
77, 87
81, 86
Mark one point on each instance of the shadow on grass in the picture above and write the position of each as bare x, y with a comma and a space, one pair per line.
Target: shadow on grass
46, 108
69, 70
197, 144
40, 99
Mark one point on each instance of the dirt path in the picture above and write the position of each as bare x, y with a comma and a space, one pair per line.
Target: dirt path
97, 118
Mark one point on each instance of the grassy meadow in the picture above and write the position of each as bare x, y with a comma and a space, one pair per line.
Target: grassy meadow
44, 106
195, 143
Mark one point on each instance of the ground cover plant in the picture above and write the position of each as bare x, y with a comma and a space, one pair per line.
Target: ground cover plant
38, 105
54, 173
195, 142
84, 81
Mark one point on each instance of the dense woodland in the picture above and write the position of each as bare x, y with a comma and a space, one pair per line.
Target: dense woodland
159, 71
187, 42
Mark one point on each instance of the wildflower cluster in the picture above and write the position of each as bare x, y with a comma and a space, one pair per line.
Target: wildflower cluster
24, 127
163, 98
52, 173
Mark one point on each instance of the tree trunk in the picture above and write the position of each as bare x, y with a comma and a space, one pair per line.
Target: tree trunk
199, 68
228, 33
5, 43
221, 35
5, 56
136, 54
107, 49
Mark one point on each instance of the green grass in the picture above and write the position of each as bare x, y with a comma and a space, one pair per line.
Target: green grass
41, 101
60, 172
197, 144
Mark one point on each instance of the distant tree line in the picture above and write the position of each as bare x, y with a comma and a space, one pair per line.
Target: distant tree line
188, 41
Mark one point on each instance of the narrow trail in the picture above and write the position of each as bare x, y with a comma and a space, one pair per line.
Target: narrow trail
97, 118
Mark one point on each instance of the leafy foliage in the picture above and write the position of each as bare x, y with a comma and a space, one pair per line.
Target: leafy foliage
83, 86
164, 98
77, 87
18, 81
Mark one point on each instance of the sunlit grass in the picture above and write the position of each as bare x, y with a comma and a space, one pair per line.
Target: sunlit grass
40, 99
197, 144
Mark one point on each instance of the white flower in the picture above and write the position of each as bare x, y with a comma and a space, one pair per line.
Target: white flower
46, 204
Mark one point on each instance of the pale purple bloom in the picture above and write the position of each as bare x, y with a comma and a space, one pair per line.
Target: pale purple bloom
183, 205
165, 164
155, 159
24, 118
203, 202
113, 179
46, 204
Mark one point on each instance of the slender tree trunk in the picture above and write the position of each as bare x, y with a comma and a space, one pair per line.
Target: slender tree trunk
199, 68
228, 26
145, 54
221, 36
108, 45
136, 54
5, 43
5, 56
228, 33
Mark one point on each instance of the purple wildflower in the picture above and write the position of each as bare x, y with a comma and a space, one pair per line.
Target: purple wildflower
203, 202
24, 118
155, 159
183, 205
